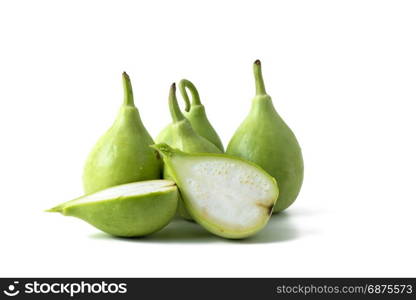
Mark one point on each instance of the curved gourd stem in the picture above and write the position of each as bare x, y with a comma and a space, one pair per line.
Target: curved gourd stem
128, 90
186, 84
258, 77
175, 111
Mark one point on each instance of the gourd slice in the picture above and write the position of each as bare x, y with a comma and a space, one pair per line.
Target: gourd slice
228, 196
128, 210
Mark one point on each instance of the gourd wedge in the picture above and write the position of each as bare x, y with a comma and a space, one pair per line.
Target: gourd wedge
265, 139
128, 210
228, 196
122, 154
184, 138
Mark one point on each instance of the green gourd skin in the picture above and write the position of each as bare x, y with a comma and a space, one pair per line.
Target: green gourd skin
126, 216
265, 139
228, 196
196, 115
183, 137
165, 136
122, 154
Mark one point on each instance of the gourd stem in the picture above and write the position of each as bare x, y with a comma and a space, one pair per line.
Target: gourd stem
175, 111
128, 90
258, 77
186, 84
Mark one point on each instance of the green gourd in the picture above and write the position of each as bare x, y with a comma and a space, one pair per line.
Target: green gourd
122, 154
265, 139
195, 113
128, 210
183, 137
228, 196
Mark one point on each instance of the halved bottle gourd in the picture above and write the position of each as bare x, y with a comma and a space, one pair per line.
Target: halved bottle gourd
128, 210
228, 196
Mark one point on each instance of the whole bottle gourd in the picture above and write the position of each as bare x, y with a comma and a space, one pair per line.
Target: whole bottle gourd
122, 155
196, 115
265, 139
183, 135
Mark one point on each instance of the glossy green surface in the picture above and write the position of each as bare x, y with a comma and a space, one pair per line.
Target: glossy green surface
265, 139
136, 214
122, 154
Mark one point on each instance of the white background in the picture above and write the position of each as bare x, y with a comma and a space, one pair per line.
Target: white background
341, 73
